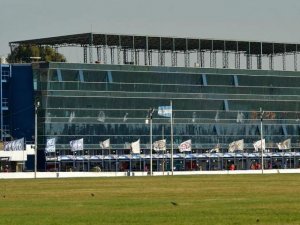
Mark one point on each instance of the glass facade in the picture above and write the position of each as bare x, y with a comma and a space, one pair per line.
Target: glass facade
210, 107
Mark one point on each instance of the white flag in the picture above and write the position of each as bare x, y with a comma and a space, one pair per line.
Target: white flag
217, 117
76, 145
240, 117
159, 145
284, 145
185, 146
105, 144
257, 145
236, 145
216, 149
71, 117
16, 145
135, 147
50, 145
165, 111
7, 146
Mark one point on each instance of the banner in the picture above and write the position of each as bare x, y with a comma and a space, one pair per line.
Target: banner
284, 145
185, 146
16, 145
165, 111
50, 145
105, 144
135, 147
236, 145
76, 145
257, 145
159, 145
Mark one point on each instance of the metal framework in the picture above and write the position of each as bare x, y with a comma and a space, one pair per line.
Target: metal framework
141, 50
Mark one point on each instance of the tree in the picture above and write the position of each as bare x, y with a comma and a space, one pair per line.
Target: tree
24, 53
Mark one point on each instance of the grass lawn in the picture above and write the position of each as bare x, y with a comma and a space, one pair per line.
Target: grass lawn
177, 200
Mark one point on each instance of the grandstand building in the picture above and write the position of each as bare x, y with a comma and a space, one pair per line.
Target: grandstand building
219, 95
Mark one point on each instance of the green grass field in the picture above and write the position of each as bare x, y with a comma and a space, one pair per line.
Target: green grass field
226, 199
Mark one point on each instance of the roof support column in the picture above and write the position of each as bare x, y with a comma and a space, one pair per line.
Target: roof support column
237, 60
186, 54
146, 51
173, 54
150, 57
248, 61
84, 54
132, 51
119, 50
225, 55
259, 62
99, 58
125, 56
271, 62
160, 57
137, 57
119, 55
186, 59
91, 48
284, 58
213, 59
112, 55
295, 61
104, 51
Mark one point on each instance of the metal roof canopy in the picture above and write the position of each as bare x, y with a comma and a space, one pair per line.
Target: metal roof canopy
159, 43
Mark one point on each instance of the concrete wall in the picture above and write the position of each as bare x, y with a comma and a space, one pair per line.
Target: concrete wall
30, 175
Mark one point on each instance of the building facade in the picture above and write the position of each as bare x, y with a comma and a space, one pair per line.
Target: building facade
212, 107
17, 119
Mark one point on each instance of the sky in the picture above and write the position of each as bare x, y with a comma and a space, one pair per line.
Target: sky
255, 20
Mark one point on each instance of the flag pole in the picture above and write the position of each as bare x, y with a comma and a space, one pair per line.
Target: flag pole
172, 159
163, 163
261, 141
151, 159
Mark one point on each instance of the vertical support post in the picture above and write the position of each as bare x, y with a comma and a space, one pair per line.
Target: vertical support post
261, 140
237, 60
186, 54
163, 55
146, 51
271, 62
112, 55
99, 54
137, 57
159, 53
151, 169
202, 62
150, 57
225, 59
173, 53
213, 59
84, 54
259, 62
91, 48
37, 104
119, 50
133, 51
249, 61
172, 151
149, 120
284, 61
104, 51
295, 61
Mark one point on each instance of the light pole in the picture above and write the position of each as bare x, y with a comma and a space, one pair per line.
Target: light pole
37, 105
261, 140
149, 120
